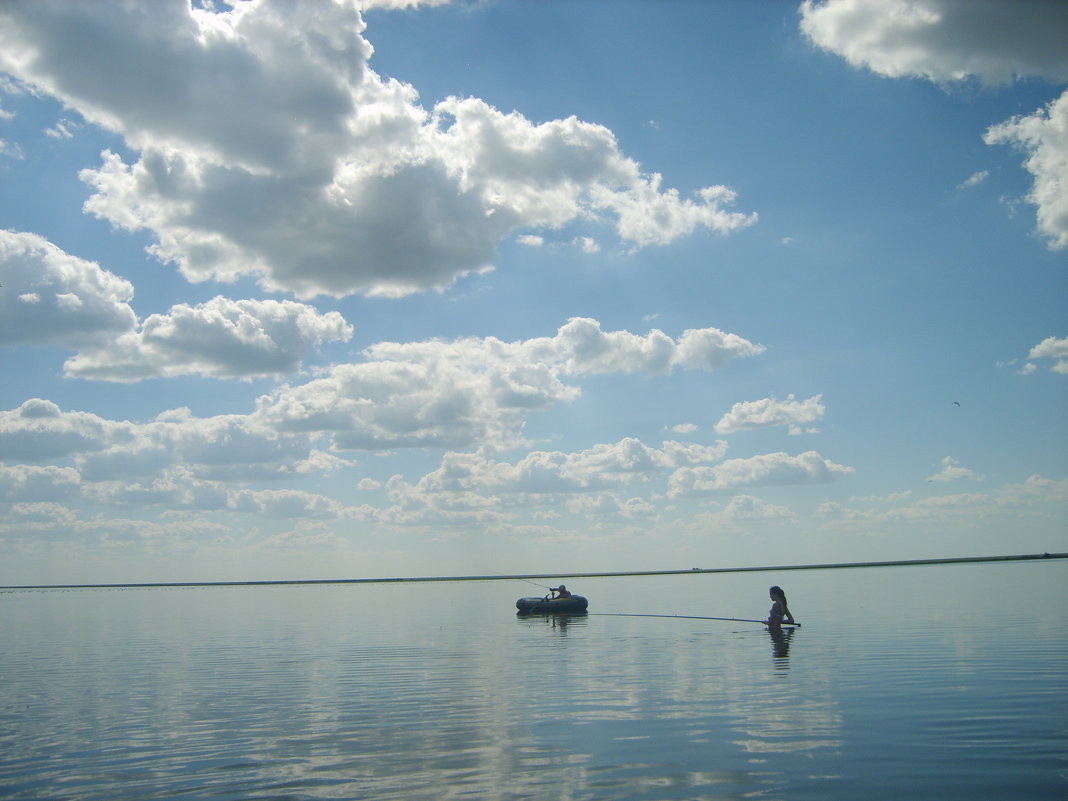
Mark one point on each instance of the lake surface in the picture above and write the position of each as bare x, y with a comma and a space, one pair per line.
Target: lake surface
903, 682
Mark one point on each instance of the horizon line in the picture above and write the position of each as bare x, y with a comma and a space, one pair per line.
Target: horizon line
526, 576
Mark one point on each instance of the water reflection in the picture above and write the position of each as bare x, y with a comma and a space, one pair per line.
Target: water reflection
558, 623
780, 648
409, 694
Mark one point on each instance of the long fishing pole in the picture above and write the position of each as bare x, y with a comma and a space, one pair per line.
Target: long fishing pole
544, 587
688, 617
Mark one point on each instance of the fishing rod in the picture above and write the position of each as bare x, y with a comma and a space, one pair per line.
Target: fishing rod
688, 617
543, 586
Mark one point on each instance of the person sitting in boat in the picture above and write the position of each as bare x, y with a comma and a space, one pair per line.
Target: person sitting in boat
780, 612
559, 592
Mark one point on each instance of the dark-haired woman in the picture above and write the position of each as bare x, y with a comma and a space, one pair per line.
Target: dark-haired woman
780, 612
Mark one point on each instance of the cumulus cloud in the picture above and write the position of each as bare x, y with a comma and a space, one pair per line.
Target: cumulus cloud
39, 430
1051, 348
51, 297
762, 470
307, 170
772, 412
282, 504
746, 507
213, 448
221, 338
475, 488
30, 483
548, 472
952, 471
478, 390
610, 506
466, 393
950, 40
219, 448
944, 40
1044, 137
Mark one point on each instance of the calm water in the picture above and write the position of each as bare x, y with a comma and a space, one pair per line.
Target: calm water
902, 683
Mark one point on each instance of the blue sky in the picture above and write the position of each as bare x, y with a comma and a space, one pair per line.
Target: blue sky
372, 289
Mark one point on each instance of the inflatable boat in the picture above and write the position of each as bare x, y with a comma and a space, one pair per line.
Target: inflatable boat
576, 604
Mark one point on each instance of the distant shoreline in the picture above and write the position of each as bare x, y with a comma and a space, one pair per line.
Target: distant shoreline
526, 576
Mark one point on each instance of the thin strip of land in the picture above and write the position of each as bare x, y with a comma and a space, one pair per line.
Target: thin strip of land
693, 571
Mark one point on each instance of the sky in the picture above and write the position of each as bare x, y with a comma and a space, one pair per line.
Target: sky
342, 289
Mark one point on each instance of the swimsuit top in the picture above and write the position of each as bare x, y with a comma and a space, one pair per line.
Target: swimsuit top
775, 615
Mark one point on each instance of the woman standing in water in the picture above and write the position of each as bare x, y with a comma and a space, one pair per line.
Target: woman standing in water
780, 612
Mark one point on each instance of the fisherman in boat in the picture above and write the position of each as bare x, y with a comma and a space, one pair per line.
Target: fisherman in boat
780, 612
559, 592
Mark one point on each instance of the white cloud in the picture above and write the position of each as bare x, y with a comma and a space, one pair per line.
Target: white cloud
64, 129
587, 244
952, 471
550, 472
474, 488
11, 150
772, 412
214, 448
220, 448
608, 505
29, 483
399, 4
1009, 499
944, 40
974, 179
684, 428
478, 391
1044, 136
763, 470
306, 169
746, 507
220, 338
51, 297
950, 40
648, 216
1051, 348
39, 430
465, 393
285, 504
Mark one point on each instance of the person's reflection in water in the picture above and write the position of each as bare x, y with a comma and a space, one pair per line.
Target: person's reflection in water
780, 647
560, 623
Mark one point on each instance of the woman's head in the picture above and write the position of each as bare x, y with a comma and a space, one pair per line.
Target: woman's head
777, 594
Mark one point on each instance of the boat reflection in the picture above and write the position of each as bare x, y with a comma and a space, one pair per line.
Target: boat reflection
558, 622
